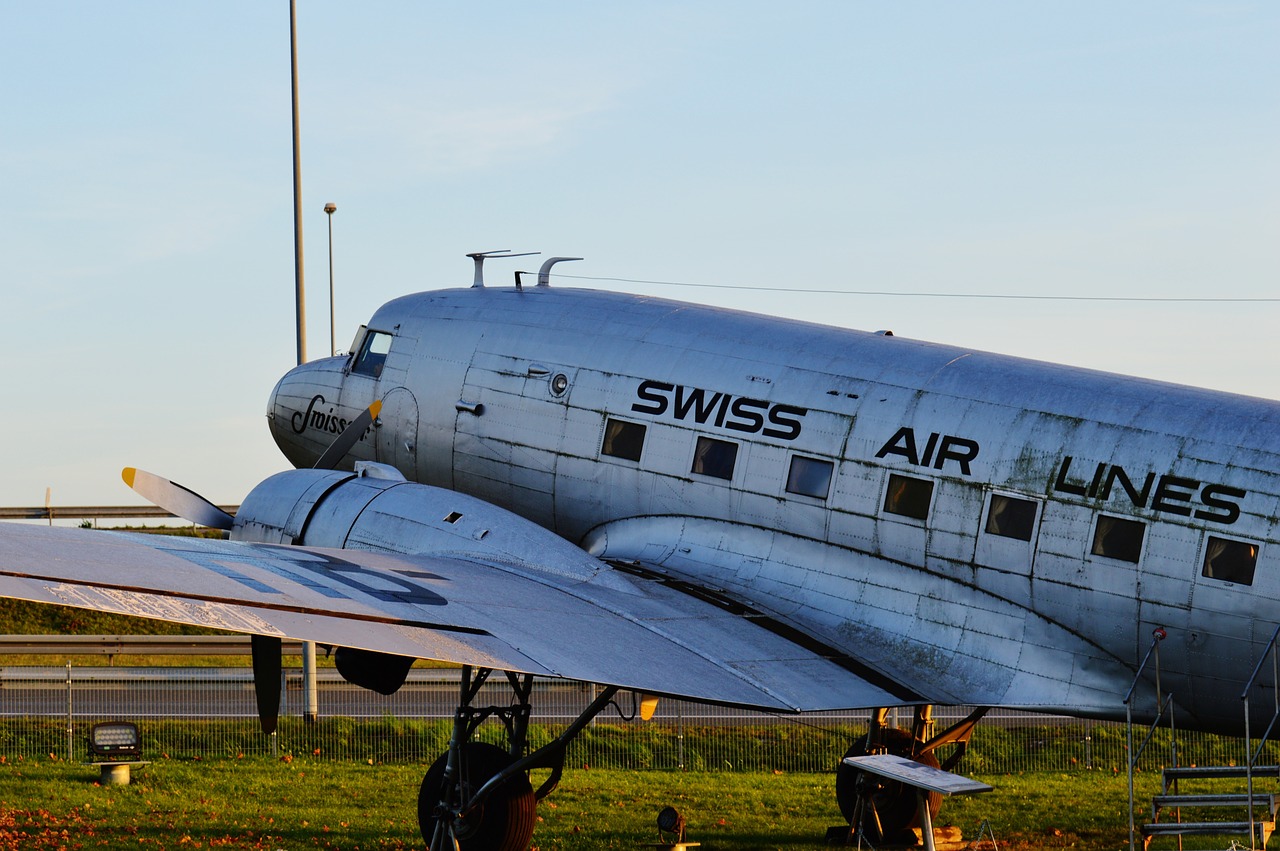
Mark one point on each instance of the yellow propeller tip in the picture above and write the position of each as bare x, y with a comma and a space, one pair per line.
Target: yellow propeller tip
375, 408
128, 474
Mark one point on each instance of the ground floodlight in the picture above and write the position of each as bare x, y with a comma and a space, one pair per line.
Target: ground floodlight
670, 821
114, 739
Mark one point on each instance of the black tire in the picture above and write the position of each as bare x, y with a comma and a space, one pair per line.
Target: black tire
895, 802
504, 822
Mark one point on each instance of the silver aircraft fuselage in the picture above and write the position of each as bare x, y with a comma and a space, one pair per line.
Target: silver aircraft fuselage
978, 528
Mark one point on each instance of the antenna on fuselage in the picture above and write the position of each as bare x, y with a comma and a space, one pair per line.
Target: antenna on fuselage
544, 274
479, 257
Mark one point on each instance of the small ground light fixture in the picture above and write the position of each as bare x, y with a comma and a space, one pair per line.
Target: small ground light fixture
113, 740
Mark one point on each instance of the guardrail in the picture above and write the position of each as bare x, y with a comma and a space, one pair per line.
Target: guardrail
202, 711
134, 645
89, 512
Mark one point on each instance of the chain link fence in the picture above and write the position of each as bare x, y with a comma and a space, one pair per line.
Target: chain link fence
187, 712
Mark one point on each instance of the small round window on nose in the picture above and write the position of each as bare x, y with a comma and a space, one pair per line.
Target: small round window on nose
559, 384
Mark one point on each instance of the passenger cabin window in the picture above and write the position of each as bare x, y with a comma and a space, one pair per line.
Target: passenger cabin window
372, 355
908, 496
1010, 517
1230, 561
623, 439
715, 458
1118, 538
809, 477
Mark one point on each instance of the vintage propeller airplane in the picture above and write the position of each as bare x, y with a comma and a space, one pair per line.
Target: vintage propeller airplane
688, 501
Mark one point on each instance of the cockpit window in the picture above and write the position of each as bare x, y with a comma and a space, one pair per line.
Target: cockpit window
372, 354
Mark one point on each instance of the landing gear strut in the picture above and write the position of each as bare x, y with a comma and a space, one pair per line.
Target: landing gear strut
477, 796
885, 812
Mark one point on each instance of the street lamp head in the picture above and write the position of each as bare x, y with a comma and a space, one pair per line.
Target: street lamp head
330, 208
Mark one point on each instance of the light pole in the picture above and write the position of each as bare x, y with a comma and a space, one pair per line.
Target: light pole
310, 704
330, 209
299, 287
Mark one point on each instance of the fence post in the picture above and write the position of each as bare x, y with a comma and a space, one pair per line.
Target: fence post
680, 735
284, 711
70, 723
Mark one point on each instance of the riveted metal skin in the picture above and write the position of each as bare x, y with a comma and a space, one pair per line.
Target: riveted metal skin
937, 603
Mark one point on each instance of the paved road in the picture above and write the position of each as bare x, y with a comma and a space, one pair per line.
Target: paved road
184, 692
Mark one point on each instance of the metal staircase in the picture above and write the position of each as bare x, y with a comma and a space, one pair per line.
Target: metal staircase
1249, 822
1251, 813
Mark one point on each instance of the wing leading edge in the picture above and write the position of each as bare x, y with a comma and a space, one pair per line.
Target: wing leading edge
613, 628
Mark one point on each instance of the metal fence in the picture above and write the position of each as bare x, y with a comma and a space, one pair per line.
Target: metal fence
186, 712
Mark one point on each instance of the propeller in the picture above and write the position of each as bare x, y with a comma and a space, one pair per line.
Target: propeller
176, 499
355, 429
189, 505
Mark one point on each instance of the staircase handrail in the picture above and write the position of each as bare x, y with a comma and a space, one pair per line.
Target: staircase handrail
1251, 754
1162, 703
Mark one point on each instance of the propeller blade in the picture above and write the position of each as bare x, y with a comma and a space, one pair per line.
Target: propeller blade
353, 432
176, 499
266, 650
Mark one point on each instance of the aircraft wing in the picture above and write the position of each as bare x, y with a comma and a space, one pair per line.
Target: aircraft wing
929, 632
614, 628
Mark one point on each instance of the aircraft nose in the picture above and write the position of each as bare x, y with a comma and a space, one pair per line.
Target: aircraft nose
304, 412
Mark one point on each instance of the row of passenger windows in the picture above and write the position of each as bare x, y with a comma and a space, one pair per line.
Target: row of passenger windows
717, 459
1119, 538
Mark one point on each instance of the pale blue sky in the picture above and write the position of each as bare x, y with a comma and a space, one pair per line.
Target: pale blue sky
146, 253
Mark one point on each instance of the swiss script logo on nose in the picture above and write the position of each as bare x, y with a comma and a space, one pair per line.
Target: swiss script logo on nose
316, 418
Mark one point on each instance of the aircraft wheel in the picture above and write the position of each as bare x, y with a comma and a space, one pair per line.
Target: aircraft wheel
504, 822
895, 802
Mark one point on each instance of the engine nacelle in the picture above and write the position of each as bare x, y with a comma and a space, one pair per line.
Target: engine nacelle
376, 509
368, 511
279, 509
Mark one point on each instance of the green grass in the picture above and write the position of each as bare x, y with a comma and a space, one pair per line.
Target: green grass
19, 617
260, 803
